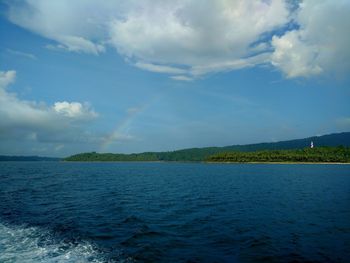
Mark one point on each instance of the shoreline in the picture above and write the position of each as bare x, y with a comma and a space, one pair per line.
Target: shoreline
204, 162
338, 163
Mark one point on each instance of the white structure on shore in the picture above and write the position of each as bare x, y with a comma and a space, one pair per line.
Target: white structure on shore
312, 145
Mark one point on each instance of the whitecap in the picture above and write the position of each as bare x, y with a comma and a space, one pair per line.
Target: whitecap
33, 244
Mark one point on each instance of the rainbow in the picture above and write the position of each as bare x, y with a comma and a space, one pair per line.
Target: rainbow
120, 131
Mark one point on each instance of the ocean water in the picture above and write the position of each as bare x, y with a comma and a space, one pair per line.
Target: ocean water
173, 212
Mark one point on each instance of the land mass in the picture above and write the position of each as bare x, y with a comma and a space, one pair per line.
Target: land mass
7, 158
307, 155
328, 148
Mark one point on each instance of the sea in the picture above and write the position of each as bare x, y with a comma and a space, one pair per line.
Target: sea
174, 212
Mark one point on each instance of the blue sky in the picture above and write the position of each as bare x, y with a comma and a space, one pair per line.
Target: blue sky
153, 76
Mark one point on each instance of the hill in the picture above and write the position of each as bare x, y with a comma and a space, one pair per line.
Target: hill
201, 154
6, 158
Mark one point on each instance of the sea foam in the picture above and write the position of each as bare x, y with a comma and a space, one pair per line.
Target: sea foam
33, 244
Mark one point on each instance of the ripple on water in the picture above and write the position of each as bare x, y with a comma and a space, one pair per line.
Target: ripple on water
171, 212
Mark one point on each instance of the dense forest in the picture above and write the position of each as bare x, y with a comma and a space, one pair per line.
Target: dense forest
184, 155
202, 154
321, 154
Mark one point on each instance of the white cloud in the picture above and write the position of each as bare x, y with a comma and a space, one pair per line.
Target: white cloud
6, 78
75, 25
77, 44
159, 68
191, 38
181, 78
22, 54
74, 110
321, 44
30, 120
197, 36
227, 65
293, 57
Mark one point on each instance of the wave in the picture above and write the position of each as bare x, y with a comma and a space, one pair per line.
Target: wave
34, 244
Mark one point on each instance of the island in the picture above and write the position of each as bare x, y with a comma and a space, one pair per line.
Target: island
307, 155
331, 148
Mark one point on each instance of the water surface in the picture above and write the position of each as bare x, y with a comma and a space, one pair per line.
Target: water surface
173, 212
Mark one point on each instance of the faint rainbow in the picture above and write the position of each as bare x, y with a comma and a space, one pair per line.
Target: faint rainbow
124, 124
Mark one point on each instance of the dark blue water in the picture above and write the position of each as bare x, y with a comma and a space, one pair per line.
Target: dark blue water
173, 212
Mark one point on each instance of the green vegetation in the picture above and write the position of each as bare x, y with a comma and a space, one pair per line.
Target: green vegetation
111, 157
208, 153
7, 158
321, 154
190, 155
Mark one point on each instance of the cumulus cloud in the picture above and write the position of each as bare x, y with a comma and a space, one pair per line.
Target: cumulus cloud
30, 120
30, 127
74, 25
320, 44
208, 37
293, 57
6, 78
188, 38
74, 110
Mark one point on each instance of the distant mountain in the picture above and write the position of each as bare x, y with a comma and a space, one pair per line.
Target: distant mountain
200, 154
330, 140
6, 158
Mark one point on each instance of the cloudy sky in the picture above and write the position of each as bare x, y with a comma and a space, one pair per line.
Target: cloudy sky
154, 75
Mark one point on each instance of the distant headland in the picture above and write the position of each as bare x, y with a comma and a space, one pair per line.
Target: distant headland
332, 148
7, 158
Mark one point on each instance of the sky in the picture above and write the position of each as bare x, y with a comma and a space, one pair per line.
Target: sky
134, 76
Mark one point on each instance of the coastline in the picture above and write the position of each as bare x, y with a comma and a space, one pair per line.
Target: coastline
335, 163
205, 162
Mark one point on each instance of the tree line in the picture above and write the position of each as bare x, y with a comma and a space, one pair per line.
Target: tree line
319, 154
